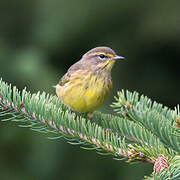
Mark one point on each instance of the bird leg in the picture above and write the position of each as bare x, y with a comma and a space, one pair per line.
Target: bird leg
73, 113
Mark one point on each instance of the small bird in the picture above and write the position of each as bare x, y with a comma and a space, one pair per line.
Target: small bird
88, 82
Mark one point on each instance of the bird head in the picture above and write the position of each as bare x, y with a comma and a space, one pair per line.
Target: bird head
102, 58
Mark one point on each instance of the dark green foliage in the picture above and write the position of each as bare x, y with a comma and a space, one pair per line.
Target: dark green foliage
140, 131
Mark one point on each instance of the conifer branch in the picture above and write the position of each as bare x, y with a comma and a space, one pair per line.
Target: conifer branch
168, 172
141, 130
159, 120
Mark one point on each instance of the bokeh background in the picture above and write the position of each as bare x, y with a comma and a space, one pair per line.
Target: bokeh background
40, 39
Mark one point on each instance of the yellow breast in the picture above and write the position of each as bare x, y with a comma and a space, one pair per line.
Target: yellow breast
84, 93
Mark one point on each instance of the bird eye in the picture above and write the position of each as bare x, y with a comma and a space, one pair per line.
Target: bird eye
102, 56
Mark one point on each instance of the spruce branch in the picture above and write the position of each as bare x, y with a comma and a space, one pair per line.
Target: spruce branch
168, 172
160, 121
142, 130
46, 114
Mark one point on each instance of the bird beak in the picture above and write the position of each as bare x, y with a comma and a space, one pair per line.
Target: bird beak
118, 57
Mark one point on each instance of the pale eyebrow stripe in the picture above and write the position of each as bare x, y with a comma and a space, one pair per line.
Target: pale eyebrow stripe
106, 54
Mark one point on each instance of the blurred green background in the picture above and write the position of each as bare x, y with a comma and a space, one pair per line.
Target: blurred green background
40, 39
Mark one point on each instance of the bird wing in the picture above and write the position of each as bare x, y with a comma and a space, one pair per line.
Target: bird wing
66, 78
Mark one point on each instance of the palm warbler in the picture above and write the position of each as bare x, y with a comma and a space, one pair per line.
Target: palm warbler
87, 82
